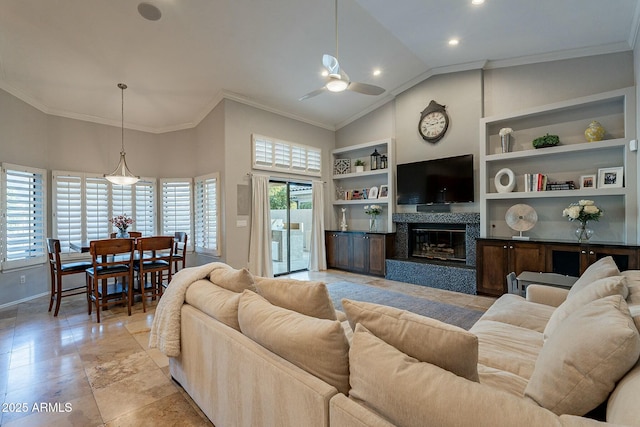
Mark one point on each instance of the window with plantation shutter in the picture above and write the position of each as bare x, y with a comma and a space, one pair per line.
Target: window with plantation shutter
276, 155
176, 207
206, 210
67, 209
24, 212
84, 203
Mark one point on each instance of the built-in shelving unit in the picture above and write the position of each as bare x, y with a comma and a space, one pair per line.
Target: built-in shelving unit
357, 220
573, 158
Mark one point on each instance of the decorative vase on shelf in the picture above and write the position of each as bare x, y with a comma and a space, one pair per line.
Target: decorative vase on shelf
343, 223
594, 132
373, 226
122, 233
583, 233
505, 141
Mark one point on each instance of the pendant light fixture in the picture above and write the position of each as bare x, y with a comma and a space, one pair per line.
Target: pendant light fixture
121, 175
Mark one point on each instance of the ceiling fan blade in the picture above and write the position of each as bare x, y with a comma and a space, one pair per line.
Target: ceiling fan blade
312, 94
365, 89
331, 64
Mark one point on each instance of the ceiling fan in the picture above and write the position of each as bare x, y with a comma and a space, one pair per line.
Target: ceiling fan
338, 80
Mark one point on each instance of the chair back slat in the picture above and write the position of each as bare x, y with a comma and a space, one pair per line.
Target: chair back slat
103, 251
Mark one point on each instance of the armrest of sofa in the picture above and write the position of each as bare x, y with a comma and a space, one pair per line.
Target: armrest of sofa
547, 295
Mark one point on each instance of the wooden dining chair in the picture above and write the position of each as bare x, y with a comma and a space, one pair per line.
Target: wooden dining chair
154, 260
108, 263
180, 250
58, 271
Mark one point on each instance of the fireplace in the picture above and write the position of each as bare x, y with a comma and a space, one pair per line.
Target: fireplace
441, 242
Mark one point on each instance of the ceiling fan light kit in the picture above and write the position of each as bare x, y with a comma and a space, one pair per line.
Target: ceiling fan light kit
339, 80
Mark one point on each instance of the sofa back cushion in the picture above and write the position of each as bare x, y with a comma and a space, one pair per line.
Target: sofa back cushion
232, 279
604, 267
319, 346
217, 302
614, 285
411, 393
633, 283
586, 355
305, 297
428, 340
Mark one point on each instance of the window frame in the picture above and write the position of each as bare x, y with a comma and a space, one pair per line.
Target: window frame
162, 214
198, 204
273, 154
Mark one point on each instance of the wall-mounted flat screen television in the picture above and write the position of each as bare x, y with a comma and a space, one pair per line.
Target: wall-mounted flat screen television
438, 181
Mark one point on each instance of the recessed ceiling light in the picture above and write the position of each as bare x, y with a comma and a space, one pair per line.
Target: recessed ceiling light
477, 2
324, 73
454, 42
377, 72
149, 11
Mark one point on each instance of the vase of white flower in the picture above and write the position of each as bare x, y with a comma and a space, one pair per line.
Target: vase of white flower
373, 211
122, 222
583, 211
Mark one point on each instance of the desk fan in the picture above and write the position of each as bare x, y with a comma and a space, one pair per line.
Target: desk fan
521, 218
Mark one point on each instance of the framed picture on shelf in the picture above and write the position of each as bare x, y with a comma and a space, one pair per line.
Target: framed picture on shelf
341, 166
610, 177
373, 193
587, 182
384, 192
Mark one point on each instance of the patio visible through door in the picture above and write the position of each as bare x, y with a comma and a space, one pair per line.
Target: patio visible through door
290, 226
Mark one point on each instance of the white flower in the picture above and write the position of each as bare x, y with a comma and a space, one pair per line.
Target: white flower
573, 212
584, 210
586, 203
505, 131
591, 209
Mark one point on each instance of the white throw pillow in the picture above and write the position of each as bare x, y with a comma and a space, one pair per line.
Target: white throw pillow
604, 267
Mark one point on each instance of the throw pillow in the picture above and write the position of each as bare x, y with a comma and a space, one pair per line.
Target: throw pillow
615, 285
310, 298
428, 340
583, 359
633, 282
411, 393
604, 267
319, 346
217, 302
232, 279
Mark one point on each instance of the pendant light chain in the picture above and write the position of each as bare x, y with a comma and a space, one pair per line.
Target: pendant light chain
122, 87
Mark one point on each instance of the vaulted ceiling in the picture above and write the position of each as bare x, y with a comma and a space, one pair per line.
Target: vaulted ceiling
66, 57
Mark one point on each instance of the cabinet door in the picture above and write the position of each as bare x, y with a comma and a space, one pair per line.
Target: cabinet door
331, 243
492, 267
343, 251
377, 254
525, 256
625, 258
360, 256
565, 259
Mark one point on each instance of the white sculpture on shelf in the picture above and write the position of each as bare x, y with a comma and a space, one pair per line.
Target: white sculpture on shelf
343, 223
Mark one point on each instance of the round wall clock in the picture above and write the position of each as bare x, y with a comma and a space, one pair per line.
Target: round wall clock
434, 122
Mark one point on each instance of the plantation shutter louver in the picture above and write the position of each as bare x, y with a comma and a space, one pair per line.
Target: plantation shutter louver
24, 211
206, 203
97, 208
262, 152
273, 154
121, 204
176, 206
67, 209
314, 161
145, 207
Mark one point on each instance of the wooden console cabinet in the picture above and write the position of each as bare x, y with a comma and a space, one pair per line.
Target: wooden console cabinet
498, 257
359, 252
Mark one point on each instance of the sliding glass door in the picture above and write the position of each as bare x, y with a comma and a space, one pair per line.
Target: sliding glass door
290, 225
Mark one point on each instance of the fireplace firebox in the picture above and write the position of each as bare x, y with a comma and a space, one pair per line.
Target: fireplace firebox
441, 242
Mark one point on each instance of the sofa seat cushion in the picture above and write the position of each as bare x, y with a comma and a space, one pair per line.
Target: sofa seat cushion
428, 340
633, 284
319, 346
614, 285
587, 354
217, 302
232, 279
507, 347
305, 297
502, 380
623, 407
517, 311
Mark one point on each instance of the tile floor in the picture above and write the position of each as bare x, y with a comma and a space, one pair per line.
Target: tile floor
71, 371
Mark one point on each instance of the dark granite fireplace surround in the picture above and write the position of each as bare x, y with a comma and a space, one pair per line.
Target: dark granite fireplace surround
454, 274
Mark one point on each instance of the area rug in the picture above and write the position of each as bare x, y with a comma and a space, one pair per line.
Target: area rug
452, 314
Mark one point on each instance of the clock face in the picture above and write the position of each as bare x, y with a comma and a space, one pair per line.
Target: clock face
433, 126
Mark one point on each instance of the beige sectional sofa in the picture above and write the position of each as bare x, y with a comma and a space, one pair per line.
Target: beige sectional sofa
266, 352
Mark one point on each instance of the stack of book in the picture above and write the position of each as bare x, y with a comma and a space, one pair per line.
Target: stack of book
535, 182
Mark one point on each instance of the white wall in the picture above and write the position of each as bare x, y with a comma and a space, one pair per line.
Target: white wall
241, 121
